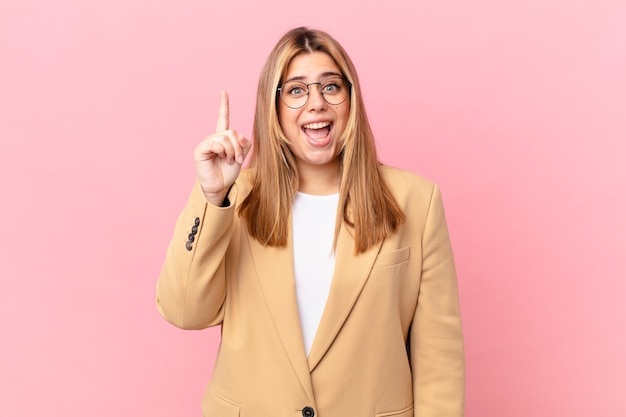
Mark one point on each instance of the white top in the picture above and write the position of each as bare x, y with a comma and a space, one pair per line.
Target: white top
314, 260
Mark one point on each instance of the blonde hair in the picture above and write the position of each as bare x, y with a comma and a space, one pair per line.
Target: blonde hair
365, 202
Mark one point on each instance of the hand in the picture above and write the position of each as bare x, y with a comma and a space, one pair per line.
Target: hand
219, 157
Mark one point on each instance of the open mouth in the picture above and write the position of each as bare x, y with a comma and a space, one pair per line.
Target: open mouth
317, 131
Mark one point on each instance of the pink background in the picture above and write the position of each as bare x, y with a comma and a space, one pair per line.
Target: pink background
516, 108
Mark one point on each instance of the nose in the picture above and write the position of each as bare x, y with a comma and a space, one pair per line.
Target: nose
316, 99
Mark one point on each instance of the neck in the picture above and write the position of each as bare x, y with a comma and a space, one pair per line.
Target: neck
320, 180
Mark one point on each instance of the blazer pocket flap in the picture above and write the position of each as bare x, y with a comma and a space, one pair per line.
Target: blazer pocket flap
392, 258
405, 412
215, 404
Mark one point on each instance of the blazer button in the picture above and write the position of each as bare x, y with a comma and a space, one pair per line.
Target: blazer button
189, 245
308, 412
194, 229
191, 237
196, 222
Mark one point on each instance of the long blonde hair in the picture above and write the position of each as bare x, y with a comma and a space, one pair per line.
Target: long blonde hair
366, 204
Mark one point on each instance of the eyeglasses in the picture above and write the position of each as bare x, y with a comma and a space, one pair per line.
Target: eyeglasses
295, 94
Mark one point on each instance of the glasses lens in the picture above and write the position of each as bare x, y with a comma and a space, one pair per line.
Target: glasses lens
334, 90
294, 94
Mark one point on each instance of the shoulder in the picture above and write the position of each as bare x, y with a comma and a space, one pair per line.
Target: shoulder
418, 197
406, 183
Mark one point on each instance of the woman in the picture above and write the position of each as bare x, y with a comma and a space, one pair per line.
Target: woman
331, 275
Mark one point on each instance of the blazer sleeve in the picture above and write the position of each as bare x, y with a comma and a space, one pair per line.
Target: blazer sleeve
192, 285
436, 342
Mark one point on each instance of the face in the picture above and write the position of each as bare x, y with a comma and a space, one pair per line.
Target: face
314, 130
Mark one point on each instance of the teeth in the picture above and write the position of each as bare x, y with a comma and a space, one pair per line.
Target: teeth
318, 125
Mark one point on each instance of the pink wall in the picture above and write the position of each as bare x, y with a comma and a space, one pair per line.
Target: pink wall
516, 108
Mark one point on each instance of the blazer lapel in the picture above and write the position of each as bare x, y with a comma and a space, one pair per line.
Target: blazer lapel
350, 275
275, 272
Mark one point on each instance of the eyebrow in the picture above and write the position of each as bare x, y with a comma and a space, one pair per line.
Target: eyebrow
324, 75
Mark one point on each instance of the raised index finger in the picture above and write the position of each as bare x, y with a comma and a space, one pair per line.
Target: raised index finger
223, 114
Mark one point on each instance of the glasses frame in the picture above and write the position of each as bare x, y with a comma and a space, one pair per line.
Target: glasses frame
279, 90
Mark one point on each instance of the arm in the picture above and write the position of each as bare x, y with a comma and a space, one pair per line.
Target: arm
436, 337
192, 286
